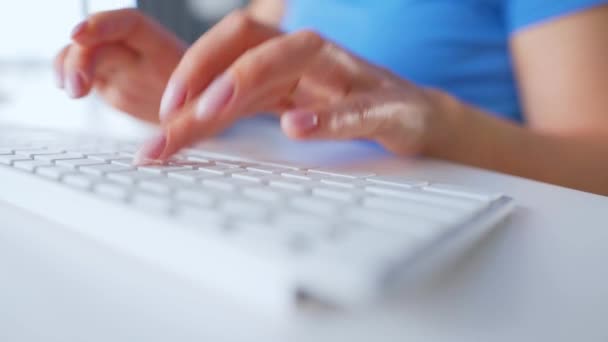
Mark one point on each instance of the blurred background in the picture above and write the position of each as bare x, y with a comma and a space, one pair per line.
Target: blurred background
28, 35
31, 38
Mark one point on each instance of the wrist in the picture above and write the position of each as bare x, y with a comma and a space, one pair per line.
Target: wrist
444, 124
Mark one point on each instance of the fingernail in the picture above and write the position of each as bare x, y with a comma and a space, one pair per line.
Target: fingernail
58, 76
74, 84
301, 121
151, 150
217, 95
79, 29
172, 99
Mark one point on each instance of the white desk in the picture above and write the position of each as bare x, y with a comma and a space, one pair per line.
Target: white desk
538, 277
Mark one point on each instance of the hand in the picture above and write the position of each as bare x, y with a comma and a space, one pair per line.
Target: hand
242, 67
125, 56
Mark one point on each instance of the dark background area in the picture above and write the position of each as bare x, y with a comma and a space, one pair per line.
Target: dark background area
178, 16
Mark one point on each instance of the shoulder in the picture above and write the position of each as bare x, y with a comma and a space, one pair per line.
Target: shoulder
521, 14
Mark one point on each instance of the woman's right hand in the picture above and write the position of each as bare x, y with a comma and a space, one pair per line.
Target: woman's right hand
125, 56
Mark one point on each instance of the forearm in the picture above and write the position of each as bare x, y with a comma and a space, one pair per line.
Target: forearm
267, 11
468, 135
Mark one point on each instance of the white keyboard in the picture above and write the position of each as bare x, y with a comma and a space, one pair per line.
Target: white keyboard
260, 231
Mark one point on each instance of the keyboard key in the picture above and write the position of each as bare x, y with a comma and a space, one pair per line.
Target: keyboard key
288, 219
263, 194
30, 153
163, 169
195, 198
192, 175
462, 192
203, 219
337, 194
30, 165
226, 183
54, 172
342, 174
221, 170
130, 177
152, 202
9, 159
316, 206
112, 190
281, 165
267, 169
59, 156
123, 161
197, 159
396, 181
253, 177
103, 169
104, 157
81, 181
303, 175
345, 182
231, 163
292, 184
77, 163
244, 209
161, 186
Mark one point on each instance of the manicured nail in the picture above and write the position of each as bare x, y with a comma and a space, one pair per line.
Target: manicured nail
300, 121
74, 84
173, 98
151, 150
217, 95
79, 29
58, 76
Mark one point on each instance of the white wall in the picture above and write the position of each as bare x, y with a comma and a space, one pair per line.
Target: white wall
37, 29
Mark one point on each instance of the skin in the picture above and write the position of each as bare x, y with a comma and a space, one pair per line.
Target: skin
244, 65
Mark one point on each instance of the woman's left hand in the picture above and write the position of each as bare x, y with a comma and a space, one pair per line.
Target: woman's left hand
242, 67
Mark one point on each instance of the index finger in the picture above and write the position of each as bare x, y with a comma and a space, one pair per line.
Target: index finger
210, 56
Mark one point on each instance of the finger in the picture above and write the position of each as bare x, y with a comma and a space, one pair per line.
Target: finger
127, 26
85, 66
108, 60
265, 77
58, 67
257, 81
275, 65
210, 56
174, 137
77, 71
394, 123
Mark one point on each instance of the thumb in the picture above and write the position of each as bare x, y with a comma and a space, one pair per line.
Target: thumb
393, 123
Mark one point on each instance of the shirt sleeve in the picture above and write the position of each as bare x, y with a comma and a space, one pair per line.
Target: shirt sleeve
524, 13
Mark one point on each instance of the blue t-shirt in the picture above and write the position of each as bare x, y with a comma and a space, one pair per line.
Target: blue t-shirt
460, 46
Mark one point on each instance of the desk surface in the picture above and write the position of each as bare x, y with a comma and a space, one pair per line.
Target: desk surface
538, 277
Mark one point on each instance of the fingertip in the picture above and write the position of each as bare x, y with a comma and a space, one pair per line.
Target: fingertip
58, 77
151, 151
79, 29
299, 123
75, 85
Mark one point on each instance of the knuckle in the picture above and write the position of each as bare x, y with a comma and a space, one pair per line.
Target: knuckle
238, 20
251, 66
310, 38
119, 99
